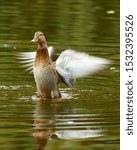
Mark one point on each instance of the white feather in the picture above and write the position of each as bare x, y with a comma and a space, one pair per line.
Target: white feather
72, 64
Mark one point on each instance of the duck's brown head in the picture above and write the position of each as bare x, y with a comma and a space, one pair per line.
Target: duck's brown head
39, 37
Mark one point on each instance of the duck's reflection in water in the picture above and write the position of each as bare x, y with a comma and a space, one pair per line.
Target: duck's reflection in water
63, 122
44, 122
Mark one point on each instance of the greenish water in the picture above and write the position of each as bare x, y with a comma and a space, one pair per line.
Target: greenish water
88, 116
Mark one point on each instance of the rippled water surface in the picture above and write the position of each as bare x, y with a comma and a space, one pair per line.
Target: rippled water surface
88, 116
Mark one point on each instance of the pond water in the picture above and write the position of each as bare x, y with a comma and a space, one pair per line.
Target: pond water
88, 116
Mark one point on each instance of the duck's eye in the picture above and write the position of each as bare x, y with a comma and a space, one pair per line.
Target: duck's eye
41, 34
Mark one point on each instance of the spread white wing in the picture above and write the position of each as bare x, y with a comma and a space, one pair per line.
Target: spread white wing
71, 65
27, 58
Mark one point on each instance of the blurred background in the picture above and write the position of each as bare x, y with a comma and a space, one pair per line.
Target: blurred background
88, 117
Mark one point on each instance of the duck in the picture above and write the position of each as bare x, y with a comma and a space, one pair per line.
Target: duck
50, 72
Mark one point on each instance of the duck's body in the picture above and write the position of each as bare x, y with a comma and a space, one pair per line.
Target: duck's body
45, 74
46, 82
69, 66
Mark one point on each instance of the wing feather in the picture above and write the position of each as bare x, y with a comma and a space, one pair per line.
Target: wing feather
72, 64
27, 58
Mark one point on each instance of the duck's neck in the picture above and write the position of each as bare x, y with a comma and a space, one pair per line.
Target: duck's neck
42, 45
42, 55
43, 49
